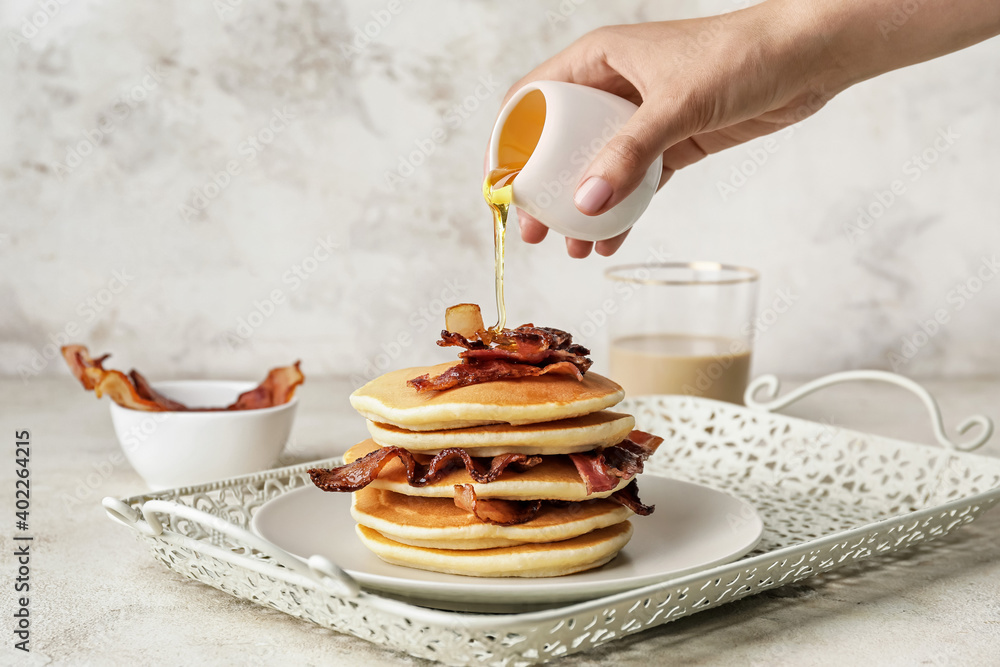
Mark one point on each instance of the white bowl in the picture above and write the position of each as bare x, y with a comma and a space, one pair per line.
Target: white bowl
170, 449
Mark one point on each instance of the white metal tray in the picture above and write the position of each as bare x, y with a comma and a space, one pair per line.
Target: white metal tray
828, 497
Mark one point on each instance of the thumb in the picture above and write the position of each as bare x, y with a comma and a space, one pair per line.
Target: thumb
622, 164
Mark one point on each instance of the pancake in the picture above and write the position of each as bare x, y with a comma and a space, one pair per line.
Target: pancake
565, 436
439, 523
387, 399
526, 560
554, 478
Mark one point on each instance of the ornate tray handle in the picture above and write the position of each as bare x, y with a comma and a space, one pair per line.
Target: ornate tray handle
771, 402
317, 568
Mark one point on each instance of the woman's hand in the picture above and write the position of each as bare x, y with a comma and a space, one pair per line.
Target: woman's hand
704, 85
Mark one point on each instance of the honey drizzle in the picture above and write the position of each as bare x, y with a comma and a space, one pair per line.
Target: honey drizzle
498, 197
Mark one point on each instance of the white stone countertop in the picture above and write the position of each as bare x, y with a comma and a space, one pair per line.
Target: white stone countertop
99, 598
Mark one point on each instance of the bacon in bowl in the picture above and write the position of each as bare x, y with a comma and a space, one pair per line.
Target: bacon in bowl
183, 432
135, 392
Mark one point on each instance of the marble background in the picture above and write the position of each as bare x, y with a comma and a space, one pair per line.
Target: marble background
120, 226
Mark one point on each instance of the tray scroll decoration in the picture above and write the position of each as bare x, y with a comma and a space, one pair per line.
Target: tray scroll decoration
828, 496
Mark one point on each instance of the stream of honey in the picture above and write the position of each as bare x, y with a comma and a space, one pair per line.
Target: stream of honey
497, 189
517, 141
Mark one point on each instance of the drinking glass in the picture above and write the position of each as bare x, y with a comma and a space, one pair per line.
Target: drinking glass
683, 328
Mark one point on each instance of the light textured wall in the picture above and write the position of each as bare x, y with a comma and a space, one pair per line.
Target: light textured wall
117, 115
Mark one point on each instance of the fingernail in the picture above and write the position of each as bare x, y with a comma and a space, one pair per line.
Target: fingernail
592, 195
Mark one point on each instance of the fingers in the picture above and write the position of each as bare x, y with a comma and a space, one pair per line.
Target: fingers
683, 154
610, 246
665, 176
532, 231
622, 163
578, 249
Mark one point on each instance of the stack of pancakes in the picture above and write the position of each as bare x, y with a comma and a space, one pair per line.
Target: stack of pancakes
422, 527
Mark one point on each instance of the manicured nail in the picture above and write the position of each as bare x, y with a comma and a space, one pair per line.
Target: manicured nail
592, 195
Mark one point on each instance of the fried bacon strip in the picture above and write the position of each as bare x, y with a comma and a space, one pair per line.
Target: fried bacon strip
117, 387
93, 376
526, 351
602, 469
84, 368
593, 471
527, 344
452, 339
362, 472
465, 374
135, 392
542, 358
496, 511
146, 391
629, 497
277, 389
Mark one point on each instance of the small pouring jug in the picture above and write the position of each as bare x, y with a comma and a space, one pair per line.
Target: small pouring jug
552, 130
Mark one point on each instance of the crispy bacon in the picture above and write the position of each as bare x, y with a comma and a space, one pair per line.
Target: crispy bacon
146, 391
494, 510
117, 387
540, 358
602, 469
135, 392
81, 365
594, 472
465, 374
629, 497
93, 376
277, 389
647, 442
526, 351
452, 339
526, 339
362, 472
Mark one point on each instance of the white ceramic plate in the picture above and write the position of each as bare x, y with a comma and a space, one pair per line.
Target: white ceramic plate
693, 528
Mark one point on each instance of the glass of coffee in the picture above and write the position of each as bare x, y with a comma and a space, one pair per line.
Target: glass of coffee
683, 328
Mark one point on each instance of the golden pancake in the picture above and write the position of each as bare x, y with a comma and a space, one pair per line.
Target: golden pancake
389, 400
565, 436
438, 523
555, 478
526, 560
